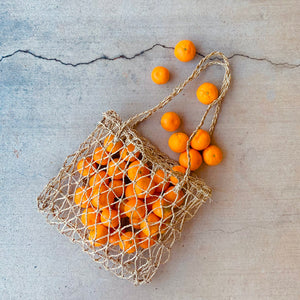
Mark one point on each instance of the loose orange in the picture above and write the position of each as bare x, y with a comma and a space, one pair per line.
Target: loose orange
81, 196
144, 187
173, 196
98, 178
195, 158
212, 155
116, 168
160, 75
116, 187
128, 242
145, 241
86, 167
100, 156
160, 181
98, 235
150, 225
180, 169
162, 209
101, 197
201, 140
110, 145
136, 170
185, 50
177, 142
90, 217
110, 218
207, 93
135, 209
129, 154
170, 121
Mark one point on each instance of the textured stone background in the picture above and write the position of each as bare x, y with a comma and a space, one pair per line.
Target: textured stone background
57, 76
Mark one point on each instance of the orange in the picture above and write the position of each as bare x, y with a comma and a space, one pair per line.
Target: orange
110, 218
100, 156
162, 209
110, 145
128, 242
185, 50
101, 197
129, 154
207, 93
173, 196
98, 190
180, 169
98, 236
144, 241
160, 181
201, 140
129, 192
90, 217
170, 121
160, 75
212, 155
136, 170
81, 196
114, 238
150, 225
149, 201
116, 168
117, 188
120, 207
177, 142
144, 187
195, 157
135, 223
98, 178
86, 167
135, 209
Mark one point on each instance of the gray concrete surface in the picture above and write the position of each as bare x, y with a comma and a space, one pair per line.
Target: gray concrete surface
246, 243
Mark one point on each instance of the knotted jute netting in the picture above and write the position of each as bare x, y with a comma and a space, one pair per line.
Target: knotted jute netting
118, 197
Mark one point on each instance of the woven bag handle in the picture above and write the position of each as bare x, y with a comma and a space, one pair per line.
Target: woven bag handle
202, 65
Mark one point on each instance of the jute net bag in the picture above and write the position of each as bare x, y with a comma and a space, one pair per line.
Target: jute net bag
109, 197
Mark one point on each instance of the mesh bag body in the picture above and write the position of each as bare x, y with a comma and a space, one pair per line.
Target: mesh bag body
118, 197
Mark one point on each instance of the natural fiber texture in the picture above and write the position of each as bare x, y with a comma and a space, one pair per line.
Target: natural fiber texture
145, 232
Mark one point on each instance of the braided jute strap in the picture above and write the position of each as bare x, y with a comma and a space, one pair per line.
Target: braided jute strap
214, 58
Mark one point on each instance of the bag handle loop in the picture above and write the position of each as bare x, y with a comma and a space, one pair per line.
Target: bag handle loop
214, 58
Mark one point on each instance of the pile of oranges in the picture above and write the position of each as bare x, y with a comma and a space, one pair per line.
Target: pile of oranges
185, 51
125, 204
201, 149
206, 93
